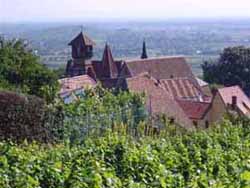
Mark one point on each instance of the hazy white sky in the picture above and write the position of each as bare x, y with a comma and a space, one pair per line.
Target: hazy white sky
67, 10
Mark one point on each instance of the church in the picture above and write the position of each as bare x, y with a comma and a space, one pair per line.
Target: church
109, 71
105, 70
170, 86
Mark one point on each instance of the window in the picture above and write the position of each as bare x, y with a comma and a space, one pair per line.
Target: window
207, 124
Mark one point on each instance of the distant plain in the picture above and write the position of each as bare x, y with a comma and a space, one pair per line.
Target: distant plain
197, 40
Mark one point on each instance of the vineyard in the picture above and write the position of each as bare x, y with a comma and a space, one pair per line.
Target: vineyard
106, 139
219, 157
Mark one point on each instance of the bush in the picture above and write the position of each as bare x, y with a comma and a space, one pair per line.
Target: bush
26, 117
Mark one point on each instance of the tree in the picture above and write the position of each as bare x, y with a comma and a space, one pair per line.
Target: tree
232, 68
20, 69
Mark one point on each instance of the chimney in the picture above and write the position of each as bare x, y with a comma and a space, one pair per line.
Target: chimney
234, 102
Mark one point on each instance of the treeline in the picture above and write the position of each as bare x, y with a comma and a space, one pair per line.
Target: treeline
232, 68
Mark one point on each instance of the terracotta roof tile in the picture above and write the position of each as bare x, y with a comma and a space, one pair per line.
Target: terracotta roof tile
194, 110
98, 68
182, 88
159, 101
160, 68
74, 83
243, 102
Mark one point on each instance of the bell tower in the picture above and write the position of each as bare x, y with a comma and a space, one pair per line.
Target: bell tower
82, 47
81, 52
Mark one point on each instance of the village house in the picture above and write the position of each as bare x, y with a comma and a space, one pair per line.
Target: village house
158, 100
229, 99
73, 86
170, 86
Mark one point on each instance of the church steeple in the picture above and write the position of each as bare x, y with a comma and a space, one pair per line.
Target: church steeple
144, 51
109, 66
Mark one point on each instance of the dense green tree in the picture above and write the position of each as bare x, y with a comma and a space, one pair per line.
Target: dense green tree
232, 68
20, 69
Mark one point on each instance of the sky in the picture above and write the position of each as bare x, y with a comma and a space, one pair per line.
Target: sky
84, 10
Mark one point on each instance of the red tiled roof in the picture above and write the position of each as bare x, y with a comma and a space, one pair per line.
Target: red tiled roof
243, 102
194, 110
159, 101
182, 88
98, 68
160, 68
74, 83
82, 38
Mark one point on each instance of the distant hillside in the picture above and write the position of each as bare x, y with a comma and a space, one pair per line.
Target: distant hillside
163, 38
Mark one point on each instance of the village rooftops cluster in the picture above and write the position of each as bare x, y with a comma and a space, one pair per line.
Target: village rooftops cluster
168, 83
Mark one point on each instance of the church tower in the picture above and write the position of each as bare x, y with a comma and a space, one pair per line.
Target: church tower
144, 51
109, 66
81, 52
82, 47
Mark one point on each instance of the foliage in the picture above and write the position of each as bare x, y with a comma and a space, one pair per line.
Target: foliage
216, 158
98, 110
20, 68
29, 118
232, 68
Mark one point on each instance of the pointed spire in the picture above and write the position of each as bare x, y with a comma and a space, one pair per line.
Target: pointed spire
109, 66
144, 51
107, 54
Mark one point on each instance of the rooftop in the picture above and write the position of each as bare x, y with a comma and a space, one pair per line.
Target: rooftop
161, 68
182, 88
74, 83
82, 38
193, 109
159, 101
243, 102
